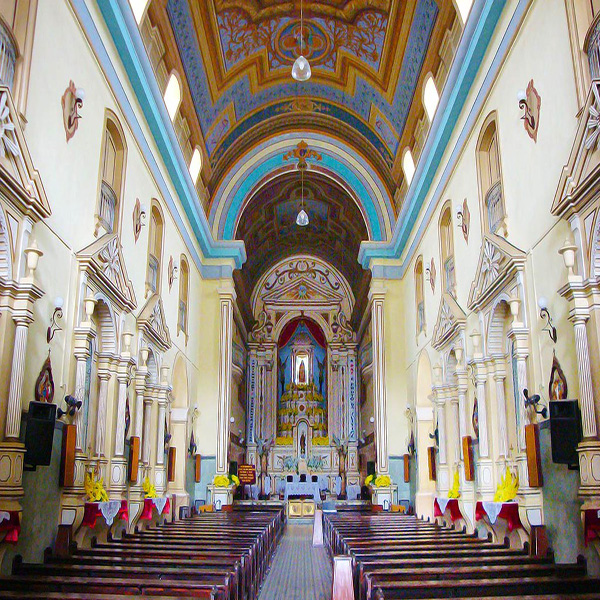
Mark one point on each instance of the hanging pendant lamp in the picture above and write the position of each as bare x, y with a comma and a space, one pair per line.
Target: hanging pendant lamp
302, 219
301, 69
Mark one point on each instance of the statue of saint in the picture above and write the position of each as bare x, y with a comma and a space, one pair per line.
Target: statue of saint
302, 445
302, 373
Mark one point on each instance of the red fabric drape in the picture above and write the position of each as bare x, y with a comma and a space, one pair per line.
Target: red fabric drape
290, 329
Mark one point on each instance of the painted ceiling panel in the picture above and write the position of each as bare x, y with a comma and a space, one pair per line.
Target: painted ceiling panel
366, 55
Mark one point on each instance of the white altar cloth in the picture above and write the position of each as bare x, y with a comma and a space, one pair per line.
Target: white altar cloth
302, 488
492, 510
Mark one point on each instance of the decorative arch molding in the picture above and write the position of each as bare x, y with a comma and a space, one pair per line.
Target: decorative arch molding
302, 285
338, 160
496, 340
6, 268
107, 331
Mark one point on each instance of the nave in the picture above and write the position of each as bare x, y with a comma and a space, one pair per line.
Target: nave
253, 554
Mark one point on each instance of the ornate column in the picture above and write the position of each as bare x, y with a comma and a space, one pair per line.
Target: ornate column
499, 377
148, 401
377, 300
461, 387
14, 409
226, 299
140, 386
454, 422
104, 377
480, 378
162, 413
576, 292
522, 353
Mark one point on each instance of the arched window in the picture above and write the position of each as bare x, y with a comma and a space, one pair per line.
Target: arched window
408, 166
184, 284
490, 179
431, 97
463, 8
447, 247
173, 96
419, 296
154, 249
112, 176
139, 8
195, 165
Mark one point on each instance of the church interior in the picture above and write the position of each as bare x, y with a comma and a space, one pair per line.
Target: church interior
300, 299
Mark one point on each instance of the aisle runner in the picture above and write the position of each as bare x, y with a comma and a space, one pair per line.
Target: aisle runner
298, 571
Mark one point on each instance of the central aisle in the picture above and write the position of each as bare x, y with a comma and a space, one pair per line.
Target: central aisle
298, 571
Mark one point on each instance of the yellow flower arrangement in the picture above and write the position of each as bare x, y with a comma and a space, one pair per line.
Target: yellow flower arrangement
378, 481
454, 491
94, 488
221, 481
507, 488
321, 441
226, 480
383, 481
149, 488
284, 440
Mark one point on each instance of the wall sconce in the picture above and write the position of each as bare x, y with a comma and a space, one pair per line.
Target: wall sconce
545, 314
372, 420
72, 102
57, 314
567, 252
33, 254
172, 271
530, 102
232, 419
139, 218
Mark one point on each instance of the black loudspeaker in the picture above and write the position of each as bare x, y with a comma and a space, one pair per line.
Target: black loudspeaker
233, 467
39, 433
565, 431
370, 467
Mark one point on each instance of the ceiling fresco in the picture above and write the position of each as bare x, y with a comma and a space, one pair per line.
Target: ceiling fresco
268, 226
366, 56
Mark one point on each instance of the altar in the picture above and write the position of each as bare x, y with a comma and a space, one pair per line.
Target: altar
302, 392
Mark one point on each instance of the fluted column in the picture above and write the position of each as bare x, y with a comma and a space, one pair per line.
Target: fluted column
454, 423
121, 410
440, 417
377, 299
586, 393
148, 401
14, 409
226, 299
160, 431
82, 355
140, 388
104, 377
499, 377
522, 385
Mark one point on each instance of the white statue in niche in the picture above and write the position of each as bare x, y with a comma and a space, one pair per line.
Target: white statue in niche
302, 371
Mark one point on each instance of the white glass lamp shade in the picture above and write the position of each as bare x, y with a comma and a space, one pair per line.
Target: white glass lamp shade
301, 69
302, 218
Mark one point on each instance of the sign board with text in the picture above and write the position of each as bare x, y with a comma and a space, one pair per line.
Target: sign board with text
247, 474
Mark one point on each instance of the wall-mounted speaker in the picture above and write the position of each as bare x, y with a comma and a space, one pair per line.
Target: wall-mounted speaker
565, 431
370, 467
406, 468
233, 467
39, 433
171, 462
197, 468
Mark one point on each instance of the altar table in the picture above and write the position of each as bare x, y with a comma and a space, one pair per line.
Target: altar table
109, 510
163, 506
302, 488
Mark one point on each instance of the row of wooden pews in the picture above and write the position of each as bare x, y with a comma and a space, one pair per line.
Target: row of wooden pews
396, 556
218, 555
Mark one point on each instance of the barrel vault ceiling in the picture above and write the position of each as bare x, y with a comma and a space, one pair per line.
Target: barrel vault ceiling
368, 57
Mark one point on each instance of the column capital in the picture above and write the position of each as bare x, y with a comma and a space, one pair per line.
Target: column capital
377, 290
226, 290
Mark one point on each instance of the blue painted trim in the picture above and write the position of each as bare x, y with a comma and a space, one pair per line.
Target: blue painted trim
471, 51
127, 39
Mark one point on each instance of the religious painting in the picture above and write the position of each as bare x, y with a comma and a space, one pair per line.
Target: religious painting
44, 385
557, 388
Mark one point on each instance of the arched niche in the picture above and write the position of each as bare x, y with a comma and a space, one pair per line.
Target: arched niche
180, 383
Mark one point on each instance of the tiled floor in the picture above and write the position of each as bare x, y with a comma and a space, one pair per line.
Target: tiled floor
298, 571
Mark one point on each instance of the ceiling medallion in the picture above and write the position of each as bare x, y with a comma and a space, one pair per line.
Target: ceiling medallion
301, 69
